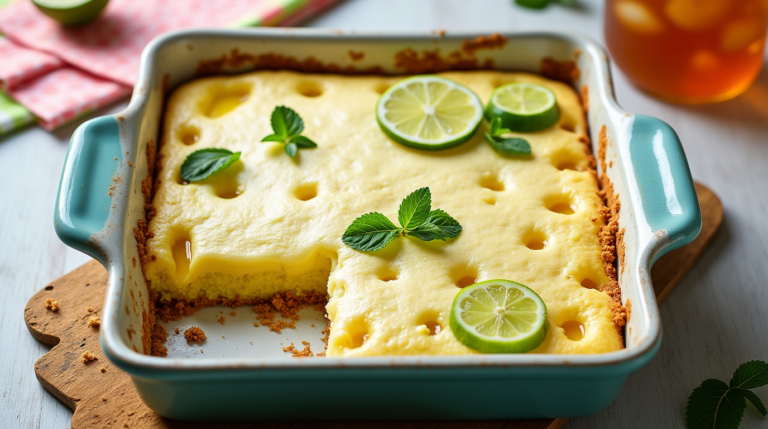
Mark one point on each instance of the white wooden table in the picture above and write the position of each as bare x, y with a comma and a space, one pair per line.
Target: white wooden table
715, 320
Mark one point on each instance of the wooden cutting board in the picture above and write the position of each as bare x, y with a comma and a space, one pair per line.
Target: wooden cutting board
103, 396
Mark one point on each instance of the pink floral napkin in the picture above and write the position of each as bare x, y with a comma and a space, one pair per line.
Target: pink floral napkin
61, 73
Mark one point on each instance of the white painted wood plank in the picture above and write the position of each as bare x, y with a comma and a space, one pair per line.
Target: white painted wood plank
715, 320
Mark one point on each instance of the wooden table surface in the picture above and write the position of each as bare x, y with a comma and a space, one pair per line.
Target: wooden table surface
715, 320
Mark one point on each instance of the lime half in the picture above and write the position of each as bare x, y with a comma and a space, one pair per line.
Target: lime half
523, 107
71, 12
499, 316
429, 112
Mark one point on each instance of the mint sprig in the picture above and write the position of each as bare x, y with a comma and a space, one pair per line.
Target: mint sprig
715, 404
372, 231
541, 4
287, 127
203, 163
505, 145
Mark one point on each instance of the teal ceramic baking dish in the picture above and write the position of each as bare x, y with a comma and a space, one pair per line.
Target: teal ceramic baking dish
100, 202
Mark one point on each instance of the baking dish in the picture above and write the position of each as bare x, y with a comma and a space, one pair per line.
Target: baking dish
100, 202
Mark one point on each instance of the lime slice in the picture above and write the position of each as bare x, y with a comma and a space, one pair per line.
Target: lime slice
429, 112
71, 12
499, 316
523, 107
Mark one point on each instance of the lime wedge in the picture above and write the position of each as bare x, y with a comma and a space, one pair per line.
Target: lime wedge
429, 112
499, 316
523, 107
71, 12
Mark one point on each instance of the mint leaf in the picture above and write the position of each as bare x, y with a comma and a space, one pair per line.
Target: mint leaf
438, 226
203, 163
414, 209
533, 4
495, 128
751, 397
370, 232
750, 375
714, 405
291, 149
509, 145
286, 122
273, 138
303, 142
287, 126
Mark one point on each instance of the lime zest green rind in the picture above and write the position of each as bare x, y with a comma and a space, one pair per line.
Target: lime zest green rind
519, 344
523, 121
412, 141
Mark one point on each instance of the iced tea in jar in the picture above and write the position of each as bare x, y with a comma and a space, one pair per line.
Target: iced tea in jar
688, 51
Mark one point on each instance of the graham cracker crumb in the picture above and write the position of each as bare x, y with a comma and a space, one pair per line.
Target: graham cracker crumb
176, 331
94, 322
102, 369
159, 335
52, 304
90, 309
608, 234
194, 334
103, 399
233, 313
222, 320
88, 357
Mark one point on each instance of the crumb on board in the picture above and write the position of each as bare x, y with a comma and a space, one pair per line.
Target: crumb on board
194, 334
176, 331
94, 322
88, 357
102, 369
90, 309
52, 304
233, 313
222, 320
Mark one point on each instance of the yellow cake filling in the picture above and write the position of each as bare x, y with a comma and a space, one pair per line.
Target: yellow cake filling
271, 223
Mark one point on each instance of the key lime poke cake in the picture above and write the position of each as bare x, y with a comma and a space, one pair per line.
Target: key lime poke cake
440, 214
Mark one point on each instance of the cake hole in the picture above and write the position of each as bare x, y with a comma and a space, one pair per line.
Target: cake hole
309, 88
49, 287
463, 276
182, 255
387, 274
466, 281
222, 100
573, 330
358, 333
189, 135
228, 190
429, 319
567, 165
306, 191
492, 183
561, 204
382, 87
589, 284
490, 199
535, 241
434, 327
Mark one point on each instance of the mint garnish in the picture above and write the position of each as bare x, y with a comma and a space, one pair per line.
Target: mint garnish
203, 163
287, 127
372, 231
505, 145
715, 404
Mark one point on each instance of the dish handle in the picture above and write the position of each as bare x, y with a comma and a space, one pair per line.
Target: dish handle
669, 198
84, 200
